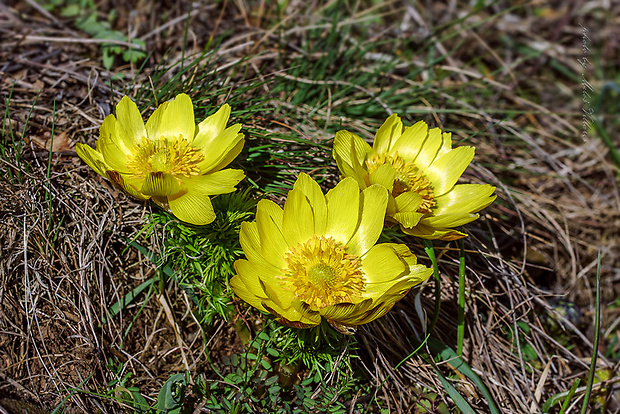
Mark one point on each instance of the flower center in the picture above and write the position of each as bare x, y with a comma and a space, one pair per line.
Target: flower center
321, 273
408, 178
170, 156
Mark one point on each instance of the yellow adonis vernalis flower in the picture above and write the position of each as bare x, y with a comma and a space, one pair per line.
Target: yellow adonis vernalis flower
317, 257
420, 169
170, 160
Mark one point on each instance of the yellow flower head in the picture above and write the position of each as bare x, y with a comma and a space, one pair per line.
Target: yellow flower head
170, 160
317, 257
420, 169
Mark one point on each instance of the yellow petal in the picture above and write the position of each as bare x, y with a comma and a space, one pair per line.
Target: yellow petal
465, 198
154, 121
409, 201
343, 209
351, 148
241, 289
211, 127
231, 153
380, 309
448, 220
273, 244
130, 127
273, 210
127, 183
372, 309
91, 157
219, 182
419, 273
176, 120
444, 172
407, 218
412, 275
446, 144
160, 184
429, 149
298, 220
264, 281
388, 134
384, 176
222, 150
192, 208
345, 313
382, 264
106, 130
410, 142
114, 156
315, 197
430, 233
339, 312
350, 152
391, 206
343, 328
404, 253
250, 242
272, 285
373, 204
269, 274
297, 317
406, 209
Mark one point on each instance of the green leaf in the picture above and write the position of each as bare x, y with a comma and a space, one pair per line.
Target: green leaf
108, 58
139, 402
567, 395
447, 354
273, 352
127, 299
111, 35
133, 55
71, 10
90, 24
454, 394
172, 395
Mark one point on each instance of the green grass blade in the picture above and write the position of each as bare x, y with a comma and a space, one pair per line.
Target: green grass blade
430, 252
167, 270
48, 195
456, 397
597, 327
460, 334
569, 397
436, 347
566, 395
73, 391
615, 155
126, 300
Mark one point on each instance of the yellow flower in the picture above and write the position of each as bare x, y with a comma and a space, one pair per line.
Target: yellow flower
420, 169
317, 257
171, 160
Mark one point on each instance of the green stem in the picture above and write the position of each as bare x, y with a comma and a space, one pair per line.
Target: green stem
597, 326
430, 252
460, 335
48, 194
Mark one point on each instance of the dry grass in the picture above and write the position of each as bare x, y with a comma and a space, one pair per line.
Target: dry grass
63, 256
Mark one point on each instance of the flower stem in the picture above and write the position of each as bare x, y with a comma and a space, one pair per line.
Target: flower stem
597, 327
430, 252
461, 315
